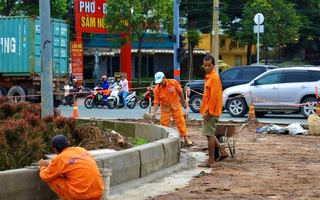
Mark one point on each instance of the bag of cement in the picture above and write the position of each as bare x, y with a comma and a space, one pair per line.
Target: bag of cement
293, 129
314, 124
271, 128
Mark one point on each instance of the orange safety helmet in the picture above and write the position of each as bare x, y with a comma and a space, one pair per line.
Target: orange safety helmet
104, 76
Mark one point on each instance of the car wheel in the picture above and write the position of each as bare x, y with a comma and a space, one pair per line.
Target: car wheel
260, 113
237, 107
309, 107
195, 103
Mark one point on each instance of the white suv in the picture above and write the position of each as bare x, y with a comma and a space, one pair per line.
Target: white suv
289, 89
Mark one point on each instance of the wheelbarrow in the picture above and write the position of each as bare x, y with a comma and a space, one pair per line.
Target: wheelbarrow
228, 135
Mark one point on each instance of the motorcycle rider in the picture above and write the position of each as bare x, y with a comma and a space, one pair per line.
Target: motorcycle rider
113, 85
75, 88
105, 90
124, 89
67, 95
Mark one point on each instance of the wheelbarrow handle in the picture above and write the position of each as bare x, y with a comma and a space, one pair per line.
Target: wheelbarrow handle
242, 126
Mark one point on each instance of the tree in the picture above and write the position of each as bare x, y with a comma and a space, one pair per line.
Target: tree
199, 20
59, 8
134, 18
6, 7
230, 17
309, 13
277, 28
282, 23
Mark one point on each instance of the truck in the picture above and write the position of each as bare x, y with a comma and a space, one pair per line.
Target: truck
20, 58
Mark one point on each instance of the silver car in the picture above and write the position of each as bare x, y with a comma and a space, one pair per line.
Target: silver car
280, 90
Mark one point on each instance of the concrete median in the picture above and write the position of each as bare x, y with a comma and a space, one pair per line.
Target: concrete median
161, 152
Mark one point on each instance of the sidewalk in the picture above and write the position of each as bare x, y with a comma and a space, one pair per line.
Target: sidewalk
162, 182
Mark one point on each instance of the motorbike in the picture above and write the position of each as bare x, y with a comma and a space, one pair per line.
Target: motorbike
68, 95
95, 99
144, 103
115, 100
69, 100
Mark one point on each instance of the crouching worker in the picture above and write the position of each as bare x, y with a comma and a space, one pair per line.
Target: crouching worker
73, 174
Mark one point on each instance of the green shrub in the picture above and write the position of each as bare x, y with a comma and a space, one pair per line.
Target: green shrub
24, 136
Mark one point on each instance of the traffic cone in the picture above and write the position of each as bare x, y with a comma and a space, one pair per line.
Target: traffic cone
318, 109
75, 113
251, 115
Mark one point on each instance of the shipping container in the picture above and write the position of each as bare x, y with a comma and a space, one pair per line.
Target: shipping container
20, 57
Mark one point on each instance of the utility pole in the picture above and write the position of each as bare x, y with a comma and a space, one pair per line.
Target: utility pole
215, 44
46, 59
176, 32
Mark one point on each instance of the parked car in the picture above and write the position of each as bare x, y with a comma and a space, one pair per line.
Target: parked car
230, 77
290, 89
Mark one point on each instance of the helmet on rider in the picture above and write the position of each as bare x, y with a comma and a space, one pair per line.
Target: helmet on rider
103, 77
111, 79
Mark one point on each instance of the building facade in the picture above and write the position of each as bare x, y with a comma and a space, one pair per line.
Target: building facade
157, 55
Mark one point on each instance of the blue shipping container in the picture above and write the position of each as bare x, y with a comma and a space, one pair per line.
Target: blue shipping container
20, 46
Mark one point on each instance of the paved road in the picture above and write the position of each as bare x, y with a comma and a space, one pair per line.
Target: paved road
138, 112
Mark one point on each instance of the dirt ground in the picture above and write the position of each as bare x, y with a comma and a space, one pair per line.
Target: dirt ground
266, 166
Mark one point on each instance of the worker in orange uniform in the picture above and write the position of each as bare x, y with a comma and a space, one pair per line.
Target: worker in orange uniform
211, 109
166, 94
73, 174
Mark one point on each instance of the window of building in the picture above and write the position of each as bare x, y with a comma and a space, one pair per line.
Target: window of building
241, 46
233, 45
223, 43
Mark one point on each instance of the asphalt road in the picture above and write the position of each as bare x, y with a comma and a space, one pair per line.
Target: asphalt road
138, 112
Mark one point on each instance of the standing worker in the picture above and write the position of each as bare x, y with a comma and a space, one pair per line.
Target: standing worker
73, 173
211, 109
105, 90
124, 89
166, 94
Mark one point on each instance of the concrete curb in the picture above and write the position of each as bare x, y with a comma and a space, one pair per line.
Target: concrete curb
162, 152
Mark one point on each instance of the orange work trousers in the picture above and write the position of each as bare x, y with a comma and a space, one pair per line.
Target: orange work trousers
177, 115
60, 187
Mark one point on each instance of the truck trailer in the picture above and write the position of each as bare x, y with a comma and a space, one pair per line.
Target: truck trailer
20, 58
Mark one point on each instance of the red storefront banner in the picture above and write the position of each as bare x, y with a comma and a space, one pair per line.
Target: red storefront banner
77, 60
89, 16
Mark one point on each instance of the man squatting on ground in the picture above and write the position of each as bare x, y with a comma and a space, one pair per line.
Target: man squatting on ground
211, 109
73, 174
166, 94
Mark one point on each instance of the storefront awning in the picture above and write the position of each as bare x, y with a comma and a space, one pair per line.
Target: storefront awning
167, 51
112, 52
91, 53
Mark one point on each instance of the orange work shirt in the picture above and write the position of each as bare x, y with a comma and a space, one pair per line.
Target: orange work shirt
212, 95
168, 95
79, 168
